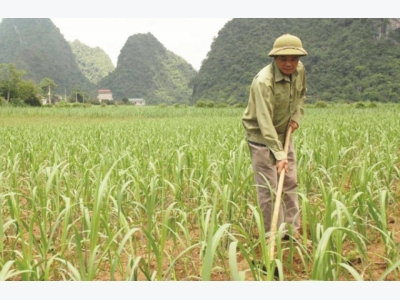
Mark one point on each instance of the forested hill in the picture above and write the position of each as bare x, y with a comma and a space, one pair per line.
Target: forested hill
349, 59
146, 69
94, 63
37, 47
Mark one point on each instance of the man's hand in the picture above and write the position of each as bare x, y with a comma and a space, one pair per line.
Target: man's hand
293, 125
282, 164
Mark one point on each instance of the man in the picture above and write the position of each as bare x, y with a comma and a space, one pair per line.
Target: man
275, 105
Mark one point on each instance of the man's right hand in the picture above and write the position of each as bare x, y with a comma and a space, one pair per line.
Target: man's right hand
282, 164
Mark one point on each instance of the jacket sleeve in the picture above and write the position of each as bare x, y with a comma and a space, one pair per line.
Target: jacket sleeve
264, 101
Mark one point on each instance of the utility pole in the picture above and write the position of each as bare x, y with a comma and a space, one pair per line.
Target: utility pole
49, 94
8, 91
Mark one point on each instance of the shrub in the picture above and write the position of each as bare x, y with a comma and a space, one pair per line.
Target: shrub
61, 104
33, 101
94, 102
17, 102
360, 105
205, 103
221, 105
107, 102
201, 103
321, 104
210, 103
3, 101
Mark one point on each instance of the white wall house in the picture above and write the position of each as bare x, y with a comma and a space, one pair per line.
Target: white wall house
137, 101
104, 95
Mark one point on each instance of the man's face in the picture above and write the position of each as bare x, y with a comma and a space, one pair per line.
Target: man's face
287, 63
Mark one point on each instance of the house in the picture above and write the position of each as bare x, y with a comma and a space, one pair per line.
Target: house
137, 101
104, 95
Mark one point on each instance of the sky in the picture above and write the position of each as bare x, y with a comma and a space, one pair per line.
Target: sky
190, 38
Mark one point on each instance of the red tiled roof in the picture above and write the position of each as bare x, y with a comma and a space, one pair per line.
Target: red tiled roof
104, 91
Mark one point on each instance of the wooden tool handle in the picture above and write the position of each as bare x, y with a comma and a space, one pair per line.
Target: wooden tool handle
277, 205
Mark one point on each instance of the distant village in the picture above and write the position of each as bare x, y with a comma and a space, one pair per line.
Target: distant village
106, 94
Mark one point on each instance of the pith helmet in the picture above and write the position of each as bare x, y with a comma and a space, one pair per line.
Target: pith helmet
288, 44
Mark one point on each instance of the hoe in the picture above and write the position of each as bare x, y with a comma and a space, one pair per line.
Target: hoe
277, 205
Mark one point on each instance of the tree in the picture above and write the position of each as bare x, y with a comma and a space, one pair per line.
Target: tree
10, 79
13, 86
46, 85
28, 92
77, 95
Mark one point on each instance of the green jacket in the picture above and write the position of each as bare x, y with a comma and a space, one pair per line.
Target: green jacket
274, 100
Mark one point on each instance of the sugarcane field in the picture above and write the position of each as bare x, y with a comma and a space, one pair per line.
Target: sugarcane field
164, 193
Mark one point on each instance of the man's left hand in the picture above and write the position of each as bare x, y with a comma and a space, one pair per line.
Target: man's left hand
293, 125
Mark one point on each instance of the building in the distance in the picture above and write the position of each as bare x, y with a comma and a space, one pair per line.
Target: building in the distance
137, 101
104, 94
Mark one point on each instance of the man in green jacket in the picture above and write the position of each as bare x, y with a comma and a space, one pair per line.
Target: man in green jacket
275, 105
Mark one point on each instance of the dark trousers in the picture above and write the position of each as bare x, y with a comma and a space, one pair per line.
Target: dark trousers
266, 179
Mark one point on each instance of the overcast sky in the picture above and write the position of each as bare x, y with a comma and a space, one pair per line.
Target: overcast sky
189, 38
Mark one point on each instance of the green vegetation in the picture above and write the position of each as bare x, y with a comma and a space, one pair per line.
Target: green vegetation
146, 69
94, 63
15, 90
354, 59
167, 193
37, 47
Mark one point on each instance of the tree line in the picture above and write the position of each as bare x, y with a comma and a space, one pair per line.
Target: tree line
16, 90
